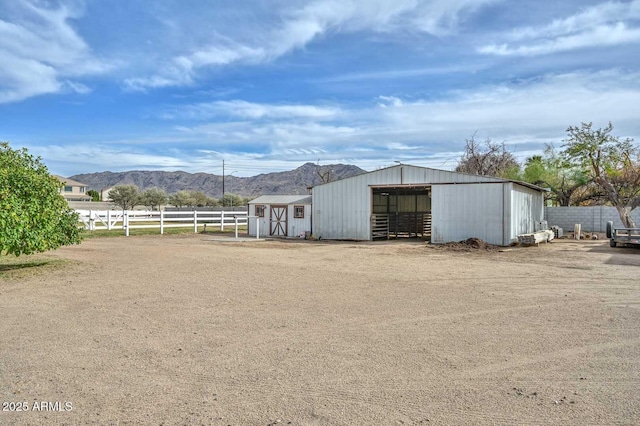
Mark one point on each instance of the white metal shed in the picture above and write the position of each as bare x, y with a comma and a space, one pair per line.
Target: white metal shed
280, 215
439, 205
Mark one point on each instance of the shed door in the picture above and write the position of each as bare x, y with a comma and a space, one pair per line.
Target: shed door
278, 219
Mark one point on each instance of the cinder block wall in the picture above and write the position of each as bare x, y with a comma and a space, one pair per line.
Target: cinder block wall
592, 219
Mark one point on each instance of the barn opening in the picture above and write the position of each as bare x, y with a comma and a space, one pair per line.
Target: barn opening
401, 212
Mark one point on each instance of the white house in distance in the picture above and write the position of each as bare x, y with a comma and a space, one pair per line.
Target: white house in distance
73, 190
280, 215
438, 205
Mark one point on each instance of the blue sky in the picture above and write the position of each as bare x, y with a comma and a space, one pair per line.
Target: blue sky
267, 85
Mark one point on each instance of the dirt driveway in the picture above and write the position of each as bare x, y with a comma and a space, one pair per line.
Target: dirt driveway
187, 330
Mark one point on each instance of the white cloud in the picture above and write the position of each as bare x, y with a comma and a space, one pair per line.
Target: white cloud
94, 157
222, 55
514, 112
25, 78
601, 36
606, 24
525, 114
602, 14
249, 110
178, 74
442, 17
283, 134
76, 87
390, 101
300, 26
39, 48
181, 70
401, 73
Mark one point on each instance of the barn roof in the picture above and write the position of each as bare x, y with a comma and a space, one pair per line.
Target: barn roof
282, 199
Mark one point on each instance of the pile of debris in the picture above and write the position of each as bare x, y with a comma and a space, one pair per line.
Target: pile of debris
470, 244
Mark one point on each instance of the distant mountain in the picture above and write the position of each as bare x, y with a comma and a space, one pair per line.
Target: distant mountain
292, 182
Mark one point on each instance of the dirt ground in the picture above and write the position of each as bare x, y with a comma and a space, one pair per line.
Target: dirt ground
191, 330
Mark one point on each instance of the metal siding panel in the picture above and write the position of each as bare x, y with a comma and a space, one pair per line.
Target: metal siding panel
464, 211
414, 174
506, 213
342, 209
527, 207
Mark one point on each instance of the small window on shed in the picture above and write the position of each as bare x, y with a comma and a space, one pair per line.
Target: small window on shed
260, 210
298, 212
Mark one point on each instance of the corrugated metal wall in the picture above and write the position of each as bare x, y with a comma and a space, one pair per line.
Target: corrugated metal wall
342, 209
463, 211
413, 174
527, 207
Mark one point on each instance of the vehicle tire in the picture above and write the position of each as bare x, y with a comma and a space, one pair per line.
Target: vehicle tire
610, 230
612, 243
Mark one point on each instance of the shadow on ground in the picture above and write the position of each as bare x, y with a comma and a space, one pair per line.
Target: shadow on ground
23, 265
621, 255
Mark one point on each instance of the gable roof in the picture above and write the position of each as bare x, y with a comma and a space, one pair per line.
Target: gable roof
69, 182
420, 174
282, 199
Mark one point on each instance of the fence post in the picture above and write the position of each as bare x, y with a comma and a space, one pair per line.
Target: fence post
161, 222
195, 221
236, 220
257, 228
108, 220
222, 220
126, 222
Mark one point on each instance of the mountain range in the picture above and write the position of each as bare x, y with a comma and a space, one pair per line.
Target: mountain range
292, 182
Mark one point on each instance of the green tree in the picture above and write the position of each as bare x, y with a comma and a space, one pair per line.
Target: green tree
614, 165
201, 199
534, 170
189, 198
95, 195
568, 182
488, 159
153, 197
180, 199
34, 217
233, 200
125, 196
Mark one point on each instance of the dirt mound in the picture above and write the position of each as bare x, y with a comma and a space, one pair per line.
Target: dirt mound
470, 244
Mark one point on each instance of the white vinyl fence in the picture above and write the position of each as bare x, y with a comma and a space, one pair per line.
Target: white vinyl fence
137, 219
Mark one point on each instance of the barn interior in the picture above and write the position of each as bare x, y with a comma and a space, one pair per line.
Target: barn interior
402, 211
